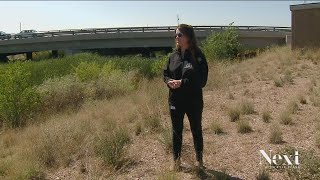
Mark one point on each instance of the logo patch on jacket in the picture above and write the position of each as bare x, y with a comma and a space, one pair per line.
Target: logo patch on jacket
188, 66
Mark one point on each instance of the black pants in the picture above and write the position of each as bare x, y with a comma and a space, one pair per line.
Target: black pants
194, 114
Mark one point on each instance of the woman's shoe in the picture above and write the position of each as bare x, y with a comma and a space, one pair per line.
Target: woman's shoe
199, 165
176, 165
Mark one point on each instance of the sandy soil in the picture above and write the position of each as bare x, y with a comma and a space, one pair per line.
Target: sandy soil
237, 154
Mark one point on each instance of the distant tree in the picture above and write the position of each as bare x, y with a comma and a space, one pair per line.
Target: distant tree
222, 45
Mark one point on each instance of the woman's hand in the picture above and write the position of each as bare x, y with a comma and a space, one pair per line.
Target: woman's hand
174, 83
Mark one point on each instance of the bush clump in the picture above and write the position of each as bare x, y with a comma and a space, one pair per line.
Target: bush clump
60, 93
275, 135
222, 45
18, 99
111, 147
87, 71
244, 126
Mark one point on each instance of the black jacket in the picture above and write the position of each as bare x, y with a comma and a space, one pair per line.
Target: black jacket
193, 73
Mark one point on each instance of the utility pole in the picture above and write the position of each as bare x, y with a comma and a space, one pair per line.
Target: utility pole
20, 27
178, 19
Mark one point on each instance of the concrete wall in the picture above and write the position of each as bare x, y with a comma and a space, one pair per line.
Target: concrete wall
305, 19
71, 44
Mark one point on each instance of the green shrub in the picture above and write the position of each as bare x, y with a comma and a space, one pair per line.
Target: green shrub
87, 71
222, 45
62, 92
53, 68
108, 68
36, 56
133, 63
158, 65
115, 83
18, 100
110, 146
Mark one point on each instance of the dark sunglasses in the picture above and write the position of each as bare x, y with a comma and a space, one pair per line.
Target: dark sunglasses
179, 35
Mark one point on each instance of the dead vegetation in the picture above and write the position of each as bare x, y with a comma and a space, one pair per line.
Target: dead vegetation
129, 137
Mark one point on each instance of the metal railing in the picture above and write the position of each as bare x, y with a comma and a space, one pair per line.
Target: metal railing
54, 33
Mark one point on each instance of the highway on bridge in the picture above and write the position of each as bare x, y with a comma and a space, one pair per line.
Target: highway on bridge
75, 40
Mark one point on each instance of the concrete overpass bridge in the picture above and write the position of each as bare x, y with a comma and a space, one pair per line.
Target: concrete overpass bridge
76, 40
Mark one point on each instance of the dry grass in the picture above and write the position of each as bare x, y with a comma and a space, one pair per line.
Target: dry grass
219, 75
168, 175
279, 82
246, 107
285, 118
234, 113
138, 128
292, 107
315, 95
166, 139
275, 136
243, 107
94, 129
75, 144
302, 99
216, 127
263, 175
318, 139
230, 96
317, 135
244, 126
110, 146
266, 116
309, 166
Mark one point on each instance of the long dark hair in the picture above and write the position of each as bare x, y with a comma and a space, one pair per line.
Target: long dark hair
187, 30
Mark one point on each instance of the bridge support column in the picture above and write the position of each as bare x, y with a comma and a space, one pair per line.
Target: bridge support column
55, 54
69, 52
146, 52
3, 58
29, 55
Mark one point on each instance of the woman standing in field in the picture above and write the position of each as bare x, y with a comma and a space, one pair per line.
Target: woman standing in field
185, 74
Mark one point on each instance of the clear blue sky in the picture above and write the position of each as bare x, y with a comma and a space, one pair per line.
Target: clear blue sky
53, 15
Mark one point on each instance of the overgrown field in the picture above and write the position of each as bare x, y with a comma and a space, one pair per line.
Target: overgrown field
92, 117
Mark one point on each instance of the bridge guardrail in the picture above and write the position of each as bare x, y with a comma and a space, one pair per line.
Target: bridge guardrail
54, 33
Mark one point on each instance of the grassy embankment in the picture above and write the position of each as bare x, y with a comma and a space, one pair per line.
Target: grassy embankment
87, 116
